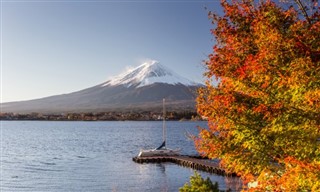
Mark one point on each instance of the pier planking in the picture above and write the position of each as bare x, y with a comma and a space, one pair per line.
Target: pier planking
193, 162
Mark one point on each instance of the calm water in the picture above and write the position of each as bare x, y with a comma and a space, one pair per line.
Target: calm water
92, 156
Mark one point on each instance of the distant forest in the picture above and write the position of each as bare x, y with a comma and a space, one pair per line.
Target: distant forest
103, 116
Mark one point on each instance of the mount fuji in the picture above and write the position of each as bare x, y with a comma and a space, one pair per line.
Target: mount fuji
141, 88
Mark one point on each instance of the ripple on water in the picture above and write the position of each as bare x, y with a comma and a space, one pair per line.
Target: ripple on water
91, 156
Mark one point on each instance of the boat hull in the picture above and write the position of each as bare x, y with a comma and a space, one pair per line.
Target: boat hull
158, 152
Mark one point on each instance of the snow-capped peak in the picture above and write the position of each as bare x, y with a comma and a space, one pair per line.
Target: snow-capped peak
146, 74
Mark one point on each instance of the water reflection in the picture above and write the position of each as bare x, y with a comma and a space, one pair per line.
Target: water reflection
162, 168
233, 183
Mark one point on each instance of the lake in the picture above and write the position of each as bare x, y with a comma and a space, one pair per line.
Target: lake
94, 156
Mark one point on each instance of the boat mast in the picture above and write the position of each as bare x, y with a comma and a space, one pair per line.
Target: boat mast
164, 123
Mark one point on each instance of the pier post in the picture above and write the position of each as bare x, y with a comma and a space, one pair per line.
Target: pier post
186, 161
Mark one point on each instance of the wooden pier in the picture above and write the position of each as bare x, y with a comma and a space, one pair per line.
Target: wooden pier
186, 161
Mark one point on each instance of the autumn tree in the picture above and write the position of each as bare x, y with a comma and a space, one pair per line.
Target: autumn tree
264, 114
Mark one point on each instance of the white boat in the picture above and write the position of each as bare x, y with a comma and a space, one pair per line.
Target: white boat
159, 152
162, 150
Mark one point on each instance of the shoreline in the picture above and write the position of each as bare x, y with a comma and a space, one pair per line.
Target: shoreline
102, 116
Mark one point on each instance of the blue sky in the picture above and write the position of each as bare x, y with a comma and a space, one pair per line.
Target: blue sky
56, 47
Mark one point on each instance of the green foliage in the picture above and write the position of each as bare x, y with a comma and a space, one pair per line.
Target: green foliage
198, 184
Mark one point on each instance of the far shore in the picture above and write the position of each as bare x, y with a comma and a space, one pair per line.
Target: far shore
103, 116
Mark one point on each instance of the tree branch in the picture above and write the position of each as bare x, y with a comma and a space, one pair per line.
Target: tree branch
303, 9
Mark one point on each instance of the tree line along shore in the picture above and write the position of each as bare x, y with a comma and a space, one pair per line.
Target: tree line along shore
103, 116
